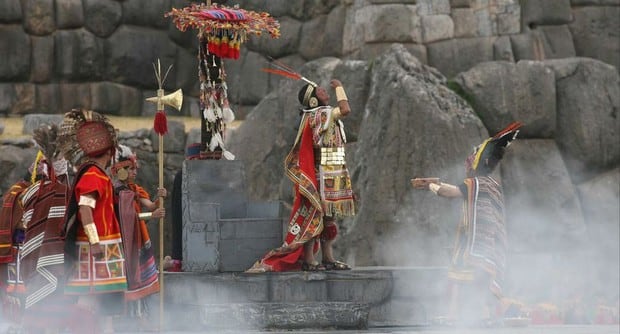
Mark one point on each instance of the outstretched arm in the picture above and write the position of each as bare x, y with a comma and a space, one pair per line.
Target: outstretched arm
433, 184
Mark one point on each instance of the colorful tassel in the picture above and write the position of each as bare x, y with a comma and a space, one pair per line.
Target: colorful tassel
160, 125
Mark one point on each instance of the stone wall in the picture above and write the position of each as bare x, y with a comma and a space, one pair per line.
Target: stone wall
97, 54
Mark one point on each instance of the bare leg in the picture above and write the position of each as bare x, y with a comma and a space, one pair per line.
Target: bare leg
328, 250
309, 252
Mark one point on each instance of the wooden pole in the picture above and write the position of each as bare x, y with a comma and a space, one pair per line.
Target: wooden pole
161, 235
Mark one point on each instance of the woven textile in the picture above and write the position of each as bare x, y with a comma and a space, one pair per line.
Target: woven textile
481, 235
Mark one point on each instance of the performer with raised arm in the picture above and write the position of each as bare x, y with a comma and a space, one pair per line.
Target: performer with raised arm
316, 165
479, 256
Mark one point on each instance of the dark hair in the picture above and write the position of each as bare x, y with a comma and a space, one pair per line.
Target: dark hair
302, 94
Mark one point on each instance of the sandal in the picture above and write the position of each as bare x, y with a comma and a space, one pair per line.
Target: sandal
336, 265
312, 267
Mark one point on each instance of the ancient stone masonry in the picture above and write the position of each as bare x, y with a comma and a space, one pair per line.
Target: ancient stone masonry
97, 54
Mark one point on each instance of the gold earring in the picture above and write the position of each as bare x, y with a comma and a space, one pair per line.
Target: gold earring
313, 102
122, 174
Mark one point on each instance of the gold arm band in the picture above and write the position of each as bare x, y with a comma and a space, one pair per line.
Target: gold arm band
145, 215
434, 187
87, 201
91, 232
340, 94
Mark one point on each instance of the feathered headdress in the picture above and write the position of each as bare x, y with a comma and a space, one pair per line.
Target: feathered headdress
487, 155
46, 138
287, 72
84, 134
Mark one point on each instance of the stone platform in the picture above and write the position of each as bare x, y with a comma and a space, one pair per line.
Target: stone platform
356, 299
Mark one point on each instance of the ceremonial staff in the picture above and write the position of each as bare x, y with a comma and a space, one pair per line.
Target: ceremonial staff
160, 126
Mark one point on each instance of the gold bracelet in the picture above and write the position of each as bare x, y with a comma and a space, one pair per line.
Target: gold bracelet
91, 232
340, 94
434, 187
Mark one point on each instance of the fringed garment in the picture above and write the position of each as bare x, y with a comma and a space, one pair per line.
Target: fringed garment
89, 275
142, 279
39, 264
319, 190
10, 216
481, 235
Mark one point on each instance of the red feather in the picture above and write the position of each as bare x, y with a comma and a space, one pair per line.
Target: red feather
283, 73
511, 127
160, 125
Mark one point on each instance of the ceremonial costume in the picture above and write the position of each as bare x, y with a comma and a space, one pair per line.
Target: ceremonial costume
85, 138
142, 274
479, 255
91, 275
481, 233
37, 270
316, 165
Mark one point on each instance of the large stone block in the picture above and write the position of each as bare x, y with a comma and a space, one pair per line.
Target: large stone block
390, 23
534, 13
10, 11
130, 53
24, 98
374, 50
14, 51
7, 97
145, 12
47, 99
596, 33
78, 55
558, 42
504, 92
502, 49
436, 28
457, 55
42, 52
433, 7
69, 14
74, 96
38, 16
465, 22
14, 163
102, 17
287, 44
588, 100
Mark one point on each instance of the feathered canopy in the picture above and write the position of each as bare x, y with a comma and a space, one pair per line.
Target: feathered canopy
487, 155
225, 28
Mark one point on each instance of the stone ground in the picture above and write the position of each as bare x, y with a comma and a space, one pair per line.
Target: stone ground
559, 329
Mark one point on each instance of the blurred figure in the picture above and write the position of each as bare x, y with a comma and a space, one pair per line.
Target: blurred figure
479, 256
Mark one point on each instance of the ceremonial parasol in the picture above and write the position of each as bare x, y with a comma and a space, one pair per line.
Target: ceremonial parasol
221, 32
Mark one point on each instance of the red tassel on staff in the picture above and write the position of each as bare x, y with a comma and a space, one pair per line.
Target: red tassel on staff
160, 125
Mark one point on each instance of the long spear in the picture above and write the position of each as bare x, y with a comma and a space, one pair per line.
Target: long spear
160, 126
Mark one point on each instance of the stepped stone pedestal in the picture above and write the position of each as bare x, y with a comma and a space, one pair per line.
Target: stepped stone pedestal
224, 233
222, 230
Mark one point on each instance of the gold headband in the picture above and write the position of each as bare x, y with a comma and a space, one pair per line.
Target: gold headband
308, 93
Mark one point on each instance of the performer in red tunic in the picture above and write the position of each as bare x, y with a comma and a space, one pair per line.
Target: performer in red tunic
479, 256
93, 238
316, 165
131, 198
